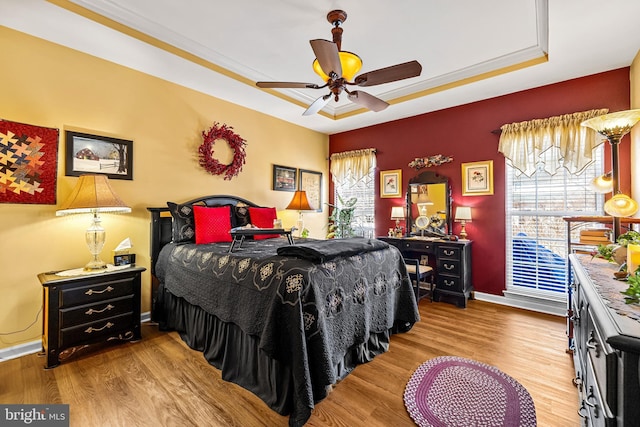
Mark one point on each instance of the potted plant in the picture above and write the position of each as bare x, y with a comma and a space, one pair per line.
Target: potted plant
341, 218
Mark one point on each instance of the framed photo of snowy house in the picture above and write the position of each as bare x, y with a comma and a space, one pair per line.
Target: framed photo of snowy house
94, 154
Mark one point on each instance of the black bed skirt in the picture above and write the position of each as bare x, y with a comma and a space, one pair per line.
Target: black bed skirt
241, 361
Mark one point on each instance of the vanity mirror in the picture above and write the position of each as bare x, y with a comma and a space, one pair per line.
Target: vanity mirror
429, 205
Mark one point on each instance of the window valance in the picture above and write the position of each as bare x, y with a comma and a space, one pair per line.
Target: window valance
555, 142
354, 164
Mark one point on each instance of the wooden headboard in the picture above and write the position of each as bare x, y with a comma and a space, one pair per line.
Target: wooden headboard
162, 222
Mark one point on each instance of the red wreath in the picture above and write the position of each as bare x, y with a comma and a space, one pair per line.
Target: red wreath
235, 141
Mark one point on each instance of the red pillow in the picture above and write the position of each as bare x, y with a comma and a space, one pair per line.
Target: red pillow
212, 224
263, 218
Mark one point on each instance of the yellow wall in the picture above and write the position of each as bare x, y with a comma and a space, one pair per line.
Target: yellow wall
45, 84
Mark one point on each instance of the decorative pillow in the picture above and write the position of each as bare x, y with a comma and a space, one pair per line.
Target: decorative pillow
240, 215
263, 218
183, 225
212, 224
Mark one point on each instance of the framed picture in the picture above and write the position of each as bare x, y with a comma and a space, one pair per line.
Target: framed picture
477, 178
311, 182
284, 178
86, 153
391, 183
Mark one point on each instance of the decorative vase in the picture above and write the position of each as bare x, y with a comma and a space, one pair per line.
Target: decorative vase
619, 254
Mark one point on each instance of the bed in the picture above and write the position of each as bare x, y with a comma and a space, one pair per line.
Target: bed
285, 321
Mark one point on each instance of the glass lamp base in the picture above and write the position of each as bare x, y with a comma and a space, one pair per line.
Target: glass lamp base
96, 264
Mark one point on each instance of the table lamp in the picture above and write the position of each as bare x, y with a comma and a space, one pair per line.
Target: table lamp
299, 203
463, 214
93, 194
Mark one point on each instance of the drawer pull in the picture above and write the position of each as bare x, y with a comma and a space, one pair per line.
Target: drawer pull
448, 266
449, 283
448, 253
582, 411
592, 344
92, 311
593, 405
92, 329
91, 291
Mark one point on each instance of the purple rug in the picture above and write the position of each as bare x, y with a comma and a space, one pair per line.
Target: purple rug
450, 391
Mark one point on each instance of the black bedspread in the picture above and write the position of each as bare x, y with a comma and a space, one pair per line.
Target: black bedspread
307, 315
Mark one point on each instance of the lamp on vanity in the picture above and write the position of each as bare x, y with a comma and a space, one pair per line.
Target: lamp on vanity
397, 213
614, 126
463, 215
93, 194
299, 203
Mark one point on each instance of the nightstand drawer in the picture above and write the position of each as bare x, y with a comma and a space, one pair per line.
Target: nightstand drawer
93, 312
89, 331
452, 252
449, 283
96, 292
449, 267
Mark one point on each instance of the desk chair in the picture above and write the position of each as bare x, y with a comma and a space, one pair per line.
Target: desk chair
419, 274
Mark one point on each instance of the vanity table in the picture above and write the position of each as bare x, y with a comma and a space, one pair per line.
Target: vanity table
428, 222
452, 262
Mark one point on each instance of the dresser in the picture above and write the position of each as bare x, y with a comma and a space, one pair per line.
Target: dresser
452, 262
87, 309
605, 344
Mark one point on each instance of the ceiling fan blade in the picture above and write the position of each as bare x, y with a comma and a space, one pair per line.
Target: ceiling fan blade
317, 105
367, 100
283, 85
327, 55
389, 74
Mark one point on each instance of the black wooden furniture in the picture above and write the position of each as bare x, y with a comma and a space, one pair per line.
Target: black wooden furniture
605, 344
87, 309
452, 260
421, 275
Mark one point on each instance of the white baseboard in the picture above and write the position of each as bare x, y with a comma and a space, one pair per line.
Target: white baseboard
36, 346
556, 308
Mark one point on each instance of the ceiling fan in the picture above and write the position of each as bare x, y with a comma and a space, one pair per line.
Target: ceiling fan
337, 68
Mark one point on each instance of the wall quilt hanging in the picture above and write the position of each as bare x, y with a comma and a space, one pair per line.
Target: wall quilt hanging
28, 163
236, 143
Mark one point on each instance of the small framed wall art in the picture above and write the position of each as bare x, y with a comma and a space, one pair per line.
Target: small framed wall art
477, 178
391, 183
93, 154
284, 178
311, 182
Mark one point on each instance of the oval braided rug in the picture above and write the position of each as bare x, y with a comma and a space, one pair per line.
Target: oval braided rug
451, 391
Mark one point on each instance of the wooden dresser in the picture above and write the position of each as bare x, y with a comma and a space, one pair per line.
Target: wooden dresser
86, 309
452, 262
605, 344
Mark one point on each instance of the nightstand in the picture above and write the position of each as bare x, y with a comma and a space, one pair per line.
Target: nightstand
87, 309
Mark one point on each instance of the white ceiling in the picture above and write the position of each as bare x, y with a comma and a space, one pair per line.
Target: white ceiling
222, 48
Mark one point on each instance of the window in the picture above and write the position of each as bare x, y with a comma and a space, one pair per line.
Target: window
536, 232
363, 190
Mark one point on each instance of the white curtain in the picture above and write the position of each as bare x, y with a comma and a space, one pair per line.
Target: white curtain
556, 142
353, 165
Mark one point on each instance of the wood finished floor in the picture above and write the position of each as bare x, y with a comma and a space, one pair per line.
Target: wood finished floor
159, 381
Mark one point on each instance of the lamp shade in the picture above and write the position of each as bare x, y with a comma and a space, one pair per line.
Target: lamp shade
463, 213
299, 202
350, 62
614, 125
621, 205
397, 212
602, 184
92, 193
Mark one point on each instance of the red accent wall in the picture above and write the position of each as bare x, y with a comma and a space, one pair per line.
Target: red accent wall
464, 132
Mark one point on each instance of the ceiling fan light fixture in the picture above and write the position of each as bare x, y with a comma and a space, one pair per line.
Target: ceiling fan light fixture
351, 64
